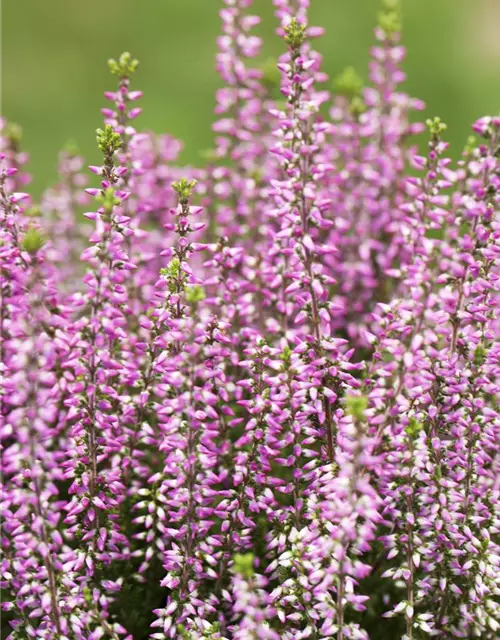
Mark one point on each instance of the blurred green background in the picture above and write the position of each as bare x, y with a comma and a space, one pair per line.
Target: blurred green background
54, 68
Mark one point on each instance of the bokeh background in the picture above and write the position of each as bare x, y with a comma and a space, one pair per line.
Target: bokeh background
54, 70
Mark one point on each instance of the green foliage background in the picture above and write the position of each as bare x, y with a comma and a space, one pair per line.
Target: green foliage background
54, 68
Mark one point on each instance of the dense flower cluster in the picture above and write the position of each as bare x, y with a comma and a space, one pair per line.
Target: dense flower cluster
257, 399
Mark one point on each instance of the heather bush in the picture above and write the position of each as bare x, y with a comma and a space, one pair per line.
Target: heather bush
257, 399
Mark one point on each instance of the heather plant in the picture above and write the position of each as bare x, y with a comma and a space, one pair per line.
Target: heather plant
259, 398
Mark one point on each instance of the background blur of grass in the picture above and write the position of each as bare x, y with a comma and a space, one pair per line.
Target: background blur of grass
54, 68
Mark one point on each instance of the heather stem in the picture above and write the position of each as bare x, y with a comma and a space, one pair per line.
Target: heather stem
410, 550
304, 169
340, 606
455, 319
33, 440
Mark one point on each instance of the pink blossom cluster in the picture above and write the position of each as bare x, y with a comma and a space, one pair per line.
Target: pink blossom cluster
258, 399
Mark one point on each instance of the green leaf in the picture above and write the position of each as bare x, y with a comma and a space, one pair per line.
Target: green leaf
33, 240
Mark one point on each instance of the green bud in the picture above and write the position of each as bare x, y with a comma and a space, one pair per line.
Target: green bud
389, 18
195, 294
184, 633
356, 406
108, 140
87, 594
243, 564
13, 132
479, 355
286, 356
295, 34
108, 200
172, 270
183, 188
413, 428
389, 23
348, 83
124, 67
71, 148
33, 240
470, 146
357, 106
212, 631
436, 128
33, 212
271, 75
256, 174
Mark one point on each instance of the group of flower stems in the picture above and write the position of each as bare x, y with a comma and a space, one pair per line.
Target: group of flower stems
256, 399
